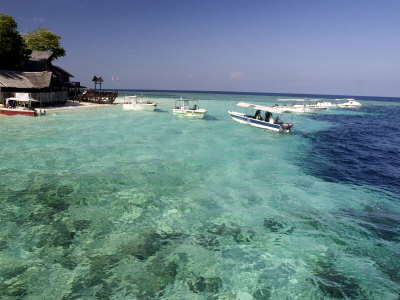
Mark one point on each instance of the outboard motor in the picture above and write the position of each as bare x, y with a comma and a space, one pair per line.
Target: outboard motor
287, 126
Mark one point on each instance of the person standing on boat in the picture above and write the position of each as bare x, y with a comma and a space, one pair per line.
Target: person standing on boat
257, 116
267, 116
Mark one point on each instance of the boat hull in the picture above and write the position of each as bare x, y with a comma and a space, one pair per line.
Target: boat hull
142, 107
350, 104
198, 113
244, 119
15, 112
345, 105
326, 105
302, 109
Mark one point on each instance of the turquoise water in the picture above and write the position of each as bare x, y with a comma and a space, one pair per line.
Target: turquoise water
101, 203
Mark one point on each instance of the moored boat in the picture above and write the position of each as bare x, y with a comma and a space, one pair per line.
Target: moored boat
136, 103
268, 123
340, 103
21, 104
18, 111
300, 106
188, 108
347, 103
326, 104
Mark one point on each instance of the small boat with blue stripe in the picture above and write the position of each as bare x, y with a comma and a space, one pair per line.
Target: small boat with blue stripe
269, 122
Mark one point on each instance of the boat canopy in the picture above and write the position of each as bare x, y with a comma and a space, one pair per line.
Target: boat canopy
183, 101
277, 110
294, 99
22, 100
22, 97
300, 99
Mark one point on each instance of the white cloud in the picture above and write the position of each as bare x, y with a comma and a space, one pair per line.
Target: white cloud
236, 75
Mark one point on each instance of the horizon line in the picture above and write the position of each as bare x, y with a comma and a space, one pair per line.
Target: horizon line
253, 93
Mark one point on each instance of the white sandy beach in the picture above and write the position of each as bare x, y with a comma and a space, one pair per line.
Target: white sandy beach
73, 104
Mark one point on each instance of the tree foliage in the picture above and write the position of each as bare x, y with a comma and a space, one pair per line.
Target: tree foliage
43, 39
12, 50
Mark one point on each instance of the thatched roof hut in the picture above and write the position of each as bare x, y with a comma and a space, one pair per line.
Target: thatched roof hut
24, 80
97, 80
38, 61
50, 84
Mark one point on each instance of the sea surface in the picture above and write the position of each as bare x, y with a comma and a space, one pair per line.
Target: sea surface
101, 203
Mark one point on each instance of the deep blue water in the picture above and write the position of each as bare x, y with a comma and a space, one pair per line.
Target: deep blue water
359, 149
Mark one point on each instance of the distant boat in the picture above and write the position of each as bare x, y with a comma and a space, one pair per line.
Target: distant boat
268, 123
300, 105
347, 103
188, 108
340, 103
326, 104
135, 103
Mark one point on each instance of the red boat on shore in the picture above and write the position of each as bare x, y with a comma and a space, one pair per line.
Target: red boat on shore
21, 105
24, 112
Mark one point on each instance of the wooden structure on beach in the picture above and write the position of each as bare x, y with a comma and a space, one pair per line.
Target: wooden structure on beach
97, 97
97, 80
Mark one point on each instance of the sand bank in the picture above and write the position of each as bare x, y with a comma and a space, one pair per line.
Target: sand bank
72, 104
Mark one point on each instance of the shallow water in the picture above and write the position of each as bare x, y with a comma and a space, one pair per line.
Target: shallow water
104, 203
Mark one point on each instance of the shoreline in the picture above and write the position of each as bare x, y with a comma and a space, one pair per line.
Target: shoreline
70, 104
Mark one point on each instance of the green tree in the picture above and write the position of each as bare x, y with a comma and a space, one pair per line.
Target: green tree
12, 50
43, 39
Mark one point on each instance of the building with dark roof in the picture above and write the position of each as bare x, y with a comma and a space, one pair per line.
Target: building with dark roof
38, 61
47, 83
18, 81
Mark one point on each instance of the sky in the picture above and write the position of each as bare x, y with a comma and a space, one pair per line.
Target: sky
341, 47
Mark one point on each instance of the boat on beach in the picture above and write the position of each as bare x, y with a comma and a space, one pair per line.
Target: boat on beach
21, 104
137, 103
188, 108
300, 105
256, 120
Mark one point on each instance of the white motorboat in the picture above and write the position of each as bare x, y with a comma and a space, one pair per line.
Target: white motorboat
268, 123
340, 103
326, 104
136, 103
300, 106
188, 108
347, 103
